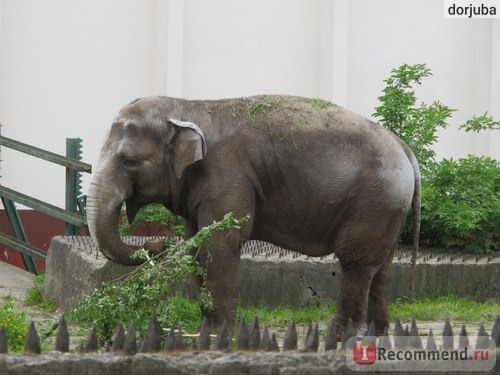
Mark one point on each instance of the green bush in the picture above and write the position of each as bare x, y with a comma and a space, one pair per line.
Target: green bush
460, 199
15, 325
461, 205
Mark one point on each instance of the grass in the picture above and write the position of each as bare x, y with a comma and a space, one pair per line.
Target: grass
255, 109
432, 307
437, 307
440, 307
282, 316
15, 324
321, 103
35, 297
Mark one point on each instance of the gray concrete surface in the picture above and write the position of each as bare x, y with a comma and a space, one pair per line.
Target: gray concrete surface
14, 281
286, 363
277, 277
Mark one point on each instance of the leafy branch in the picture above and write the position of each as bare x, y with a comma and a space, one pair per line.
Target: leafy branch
483, 122
416, 125
149, 287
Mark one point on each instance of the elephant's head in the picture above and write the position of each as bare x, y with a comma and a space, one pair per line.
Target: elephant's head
145, 154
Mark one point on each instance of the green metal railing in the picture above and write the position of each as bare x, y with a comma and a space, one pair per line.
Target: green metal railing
73, 214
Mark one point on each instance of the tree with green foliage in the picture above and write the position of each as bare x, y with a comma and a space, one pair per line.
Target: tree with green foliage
460, 199
398, 112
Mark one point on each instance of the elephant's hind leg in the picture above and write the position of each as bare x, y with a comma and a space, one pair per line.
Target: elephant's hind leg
377, 298
363, 256
354, 296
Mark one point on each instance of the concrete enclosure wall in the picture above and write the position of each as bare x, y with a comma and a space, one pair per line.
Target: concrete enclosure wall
67, 67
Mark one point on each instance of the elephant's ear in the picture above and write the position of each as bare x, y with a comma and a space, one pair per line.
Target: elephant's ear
189, 145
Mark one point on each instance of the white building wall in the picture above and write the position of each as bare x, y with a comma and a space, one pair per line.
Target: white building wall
66, 67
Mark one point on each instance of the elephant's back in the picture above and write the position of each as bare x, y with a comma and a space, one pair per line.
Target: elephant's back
274, 112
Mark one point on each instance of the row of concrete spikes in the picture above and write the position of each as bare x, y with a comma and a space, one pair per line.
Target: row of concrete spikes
250, 338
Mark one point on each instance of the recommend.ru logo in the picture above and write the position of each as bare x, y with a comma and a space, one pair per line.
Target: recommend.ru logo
367, 356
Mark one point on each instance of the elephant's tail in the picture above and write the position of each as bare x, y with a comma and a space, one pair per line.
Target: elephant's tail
416, 207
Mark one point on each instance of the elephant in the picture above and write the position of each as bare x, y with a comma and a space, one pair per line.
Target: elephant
312, 176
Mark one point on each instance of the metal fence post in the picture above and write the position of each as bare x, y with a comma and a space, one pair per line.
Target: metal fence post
73, 182
15, 223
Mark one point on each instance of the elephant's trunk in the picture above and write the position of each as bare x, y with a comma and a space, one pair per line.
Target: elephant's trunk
104, 204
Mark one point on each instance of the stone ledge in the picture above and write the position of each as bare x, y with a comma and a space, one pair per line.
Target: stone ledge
275, 277
215, 363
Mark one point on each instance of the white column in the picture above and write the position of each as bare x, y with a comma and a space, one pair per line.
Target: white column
324, 71
495, 88
340, 57
175, 48
160, 44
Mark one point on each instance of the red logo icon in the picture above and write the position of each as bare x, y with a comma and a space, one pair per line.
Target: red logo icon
365, 353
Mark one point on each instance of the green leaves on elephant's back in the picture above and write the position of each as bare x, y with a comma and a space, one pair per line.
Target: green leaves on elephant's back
282, 113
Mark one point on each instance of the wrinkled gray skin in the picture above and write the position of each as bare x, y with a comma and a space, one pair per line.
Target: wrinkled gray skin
316, 179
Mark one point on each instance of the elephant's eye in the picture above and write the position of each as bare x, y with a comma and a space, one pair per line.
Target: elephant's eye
130, 162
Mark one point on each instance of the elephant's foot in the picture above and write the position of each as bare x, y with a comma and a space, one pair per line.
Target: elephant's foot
357, 328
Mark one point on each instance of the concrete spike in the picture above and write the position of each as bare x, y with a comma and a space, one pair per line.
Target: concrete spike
143, 345
370, 335
399, 333
447, 336
254, 338
130, 344
331, 336
312, 340
385, 340
243, 342
495, 331
91, 343
204, 337
274, 344
407, 331
154, 335
170, 341
223, 339
398, 328
32, 341
119, 339
415, 341
107, 346
180, 343
4, 348
413, 328
350, 331
290, 339
265, 341
463, 339
62, 338
482, 341
405, 343
431, 342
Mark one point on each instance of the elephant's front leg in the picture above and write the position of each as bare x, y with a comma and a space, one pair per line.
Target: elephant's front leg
221, 260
